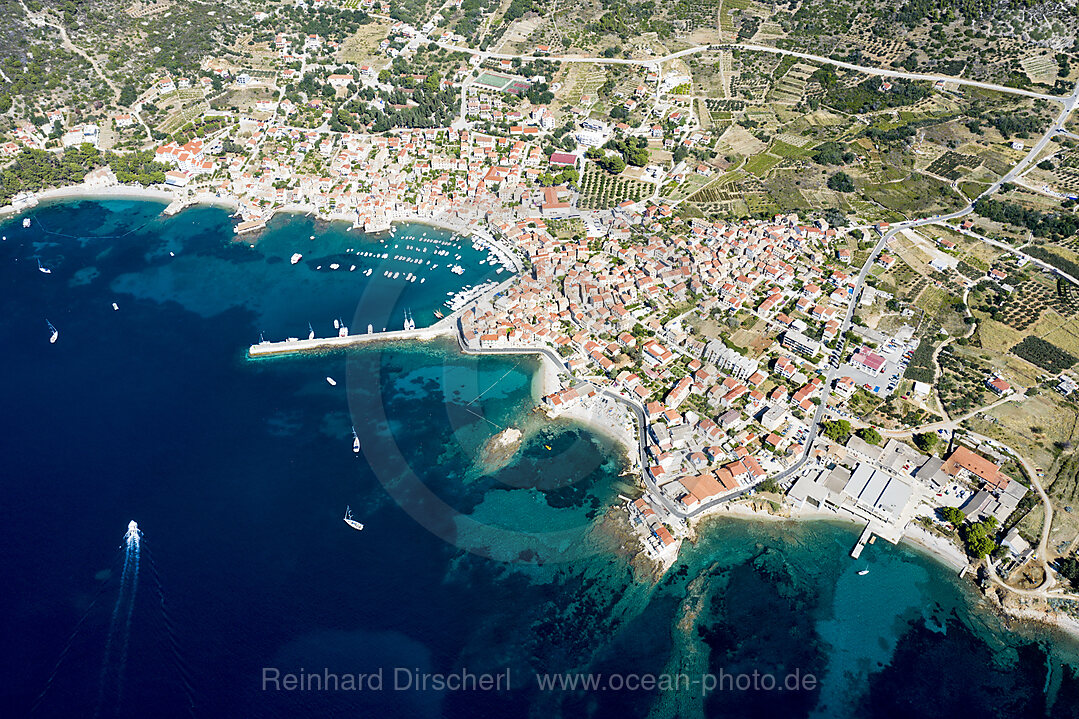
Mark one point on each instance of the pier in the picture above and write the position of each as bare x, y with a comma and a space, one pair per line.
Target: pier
442, 328
867, 534
446, 327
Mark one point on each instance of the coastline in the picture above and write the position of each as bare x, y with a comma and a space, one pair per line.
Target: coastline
162, 193
548, 381
155, 193
937, 548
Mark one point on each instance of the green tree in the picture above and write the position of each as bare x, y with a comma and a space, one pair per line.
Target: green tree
870, 435
926, 441
836, 430
841, 182
1068, 567
978, 537
952, 515
128, 94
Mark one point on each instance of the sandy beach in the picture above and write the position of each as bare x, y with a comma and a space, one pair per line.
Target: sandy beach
156, 193
937, 547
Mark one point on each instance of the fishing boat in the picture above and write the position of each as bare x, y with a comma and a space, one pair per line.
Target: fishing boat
350, 521
43, 269
355, 441
55, 333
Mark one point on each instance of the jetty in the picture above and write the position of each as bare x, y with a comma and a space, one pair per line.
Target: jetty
867, 534
446, 327
442, 328
176, 206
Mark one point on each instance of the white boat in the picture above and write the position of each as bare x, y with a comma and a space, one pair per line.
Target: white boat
336, 324
331, 381
355, 442
26, 222
334, 266
115, 306
350, 521
55, 333
42, 269
310, 331
863, 572
296, 257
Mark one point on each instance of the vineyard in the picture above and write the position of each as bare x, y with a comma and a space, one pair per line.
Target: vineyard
961, 386
921, 368
1027, 303
602, 190
948, 164
1043, 354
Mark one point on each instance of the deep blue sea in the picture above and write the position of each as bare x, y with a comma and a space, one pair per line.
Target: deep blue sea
238, 473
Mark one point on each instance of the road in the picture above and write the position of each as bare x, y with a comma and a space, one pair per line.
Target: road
658, 61
951, 425
826, 393
1047, 522
1019, 253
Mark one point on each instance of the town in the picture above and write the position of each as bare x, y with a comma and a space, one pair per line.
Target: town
774, 360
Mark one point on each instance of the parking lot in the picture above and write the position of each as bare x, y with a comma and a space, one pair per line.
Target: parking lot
896, 358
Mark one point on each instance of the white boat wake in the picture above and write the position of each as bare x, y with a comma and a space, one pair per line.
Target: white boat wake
121, 633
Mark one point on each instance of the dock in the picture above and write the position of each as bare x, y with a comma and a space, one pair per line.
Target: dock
867, 535
175, 207
445, 327
442, 328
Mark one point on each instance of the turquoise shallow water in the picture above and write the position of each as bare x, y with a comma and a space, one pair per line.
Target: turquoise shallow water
238, 472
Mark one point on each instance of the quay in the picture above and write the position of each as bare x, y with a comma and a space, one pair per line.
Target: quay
262, 349
867, 533
446, 327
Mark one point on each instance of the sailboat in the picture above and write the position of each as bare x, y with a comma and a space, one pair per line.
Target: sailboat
350, 521
42, 269
355, 442
55, 333
310, 331
864, 571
